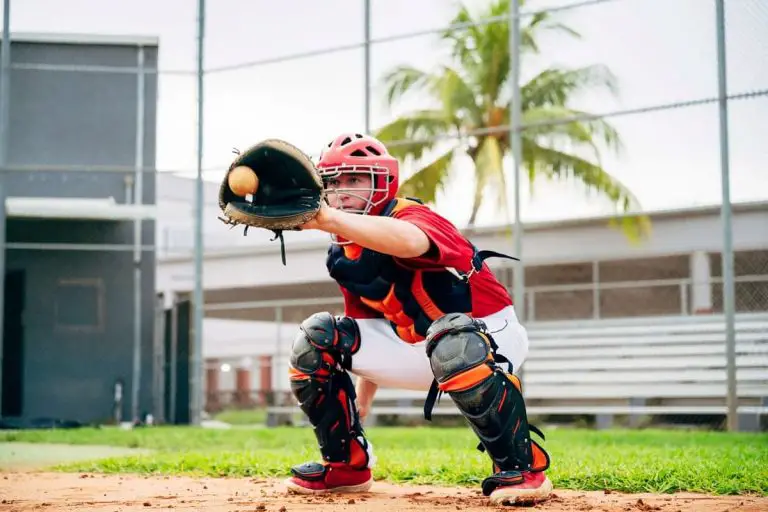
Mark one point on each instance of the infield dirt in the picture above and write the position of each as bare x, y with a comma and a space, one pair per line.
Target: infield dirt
32, 490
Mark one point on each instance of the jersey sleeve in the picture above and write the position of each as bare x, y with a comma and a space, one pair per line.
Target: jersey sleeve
449, 248
355, 308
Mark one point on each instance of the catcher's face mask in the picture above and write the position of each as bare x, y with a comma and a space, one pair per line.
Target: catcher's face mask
359, 174
353, 188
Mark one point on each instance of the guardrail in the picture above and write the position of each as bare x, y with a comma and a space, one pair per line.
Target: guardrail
582, 301
751, 295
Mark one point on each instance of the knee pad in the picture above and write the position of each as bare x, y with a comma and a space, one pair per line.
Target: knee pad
458, 347
325, 340
321, 355
463, 358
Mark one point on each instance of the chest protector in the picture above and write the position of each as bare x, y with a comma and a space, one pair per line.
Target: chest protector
410, 299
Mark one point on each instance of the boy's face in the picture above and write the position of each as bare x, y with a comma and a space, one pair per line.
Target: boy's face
349, 190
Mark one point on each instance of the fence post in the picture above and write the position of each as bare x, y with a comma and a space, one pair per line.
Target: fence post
198, 301
728, 286
684, 298
595, 289
367, 64
515, 137
531, 306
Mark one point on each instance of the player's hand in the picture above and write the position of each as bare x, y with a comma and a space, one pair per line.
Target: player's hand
365, 392
362, 411
322, 220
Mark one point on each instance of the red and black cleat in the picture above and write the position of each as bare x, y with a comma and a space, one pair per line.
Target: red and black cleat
316, 478
515, 487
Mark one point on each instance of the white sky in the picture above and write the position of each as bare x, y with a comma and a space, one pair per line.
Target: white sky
661, 51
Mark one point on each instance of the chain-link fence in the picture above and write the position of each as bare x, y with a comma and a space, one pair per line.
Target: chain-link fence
620, 97
619, 106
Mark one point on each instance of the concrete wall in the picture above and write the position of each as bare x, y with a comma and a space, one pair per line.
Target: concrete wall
674, 233
66, 126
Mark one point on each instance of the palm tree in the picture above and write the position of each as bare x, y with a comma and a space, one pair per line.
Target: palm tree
471, 95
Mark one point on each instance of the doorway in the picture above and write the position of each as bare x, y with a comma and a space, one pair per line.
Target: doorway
13, 346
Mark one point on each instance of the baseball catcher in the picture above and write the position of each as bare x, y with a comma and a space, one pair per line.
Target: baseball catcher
422, 311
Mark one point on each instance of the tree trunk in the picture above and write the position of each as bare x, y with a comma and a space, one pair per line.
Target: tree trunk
478, 198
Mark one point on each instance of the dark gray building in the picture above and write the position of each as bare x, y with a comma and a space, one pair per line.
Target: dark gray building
79, 149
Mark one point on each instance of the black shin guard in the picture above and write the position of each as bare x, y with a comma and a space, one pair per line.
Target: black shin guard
465, 365
495, 409
321, 355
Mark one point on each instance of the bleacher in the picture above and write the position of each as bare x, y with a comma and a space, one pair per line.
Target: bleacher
629, 367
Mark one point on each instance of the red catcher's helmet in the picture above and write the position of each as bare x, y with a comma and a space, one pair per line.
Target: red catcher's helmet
362, 154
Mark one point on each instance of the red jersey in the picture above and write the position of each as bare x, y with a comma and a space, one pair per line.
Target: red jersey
449, 248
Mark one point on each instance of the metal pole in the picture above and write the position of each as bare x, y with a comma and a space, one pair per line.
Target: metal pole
5, 69
596, 289
196, 386
173, 359
5, 79
729, 301
278, 355
367, 65
138, 200
515, 136
3, 226
158, 371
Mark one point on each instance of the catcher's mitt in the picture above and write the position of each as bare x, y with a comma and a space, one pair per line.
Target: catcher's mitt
288, 189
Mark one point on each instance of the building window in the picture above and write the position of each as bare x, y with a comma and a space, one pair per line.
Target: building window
79, 305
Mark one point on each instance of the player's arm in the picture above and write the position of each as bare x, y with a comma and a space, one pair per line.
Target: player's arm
365, 390
387, 235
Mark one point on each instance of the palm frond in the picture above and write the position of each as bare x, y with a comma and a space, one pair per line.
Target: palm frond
635, 227
411, 135
559, 165
463, 42
560, 27
481, 49
430, 179
556, 86
456, 96
551, 124
402, 80
538, 23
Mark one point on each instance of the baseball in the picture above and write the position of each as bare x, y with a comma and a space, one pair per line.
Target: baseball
243, 181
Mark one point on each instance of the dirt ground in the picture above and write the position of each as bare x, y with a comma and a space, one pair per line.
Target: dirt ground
30, 490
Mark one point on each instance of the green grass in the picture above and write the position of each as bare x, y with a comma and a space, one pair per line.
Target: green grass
243, 417
630, 461
21, 456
